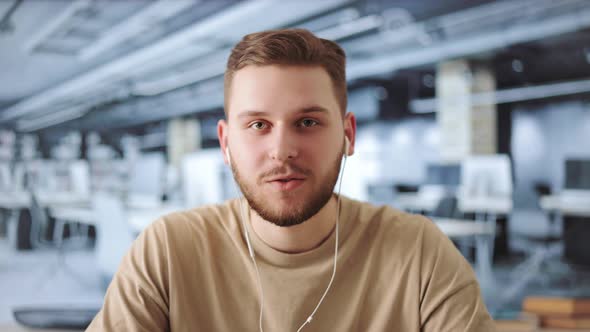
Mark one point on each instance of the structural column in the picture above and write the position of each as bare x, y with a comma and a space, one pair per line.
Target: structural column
184, 136
466, 111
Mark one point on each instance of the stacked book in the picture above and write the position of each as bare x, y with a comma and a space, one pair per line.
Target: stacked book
560, 312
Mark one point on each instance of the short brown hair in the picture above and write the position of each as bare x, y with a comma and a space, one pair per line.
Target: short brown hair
297, 47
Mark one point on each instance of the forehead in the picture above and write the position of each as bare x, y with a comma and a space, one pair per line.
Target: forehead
281, 89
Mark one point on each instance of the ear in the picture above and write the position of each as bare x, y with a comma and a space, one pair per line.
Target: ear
350, 132
222, 131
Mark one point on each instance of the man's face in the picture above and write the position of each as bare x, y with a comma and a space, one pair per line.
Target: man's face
285, 134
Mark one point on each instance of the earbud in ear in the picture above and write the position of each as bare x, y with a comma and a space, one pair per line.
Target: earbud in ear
346, 146
227, 155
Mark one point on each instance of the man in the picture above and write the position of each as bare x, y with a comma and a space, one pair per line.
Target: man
291, 255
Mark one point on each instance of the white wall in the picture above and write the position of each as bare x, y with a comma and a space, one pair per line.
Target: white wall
542, 139
390, 153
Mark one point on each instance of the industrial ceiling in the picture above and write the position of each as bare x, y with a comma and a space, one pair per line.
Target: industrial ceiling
104, 64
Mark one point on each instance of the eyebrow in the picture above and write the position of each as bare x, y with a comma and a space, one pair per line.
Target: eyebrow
314, 109
305, 110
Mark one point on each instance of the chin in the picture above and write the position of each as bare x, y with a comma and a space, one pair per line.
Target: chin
286, 211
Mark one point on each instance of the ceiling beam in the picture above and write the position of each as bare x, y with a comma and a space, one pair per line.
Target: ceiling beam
511, 95
222, 25
475, 44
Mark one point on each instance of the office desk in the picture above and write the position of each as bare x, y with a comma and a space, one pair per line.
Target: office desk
83, 215
574, 208
461, 228
12, 200
22, 199
490, 206
138, 218
487, 209
66, 198
557, 203
17, 202
416, 202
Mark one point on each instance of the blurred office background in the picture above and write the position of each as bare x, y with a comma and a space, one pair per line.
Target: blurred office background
474, 113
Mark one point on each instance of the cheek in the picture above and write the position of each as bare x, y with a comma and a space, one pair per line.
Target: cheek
250, 161
322, 156
323, 144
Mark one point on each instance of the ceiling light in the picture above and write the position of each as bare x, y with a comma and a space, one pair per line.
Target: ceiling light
517, 66
55, 24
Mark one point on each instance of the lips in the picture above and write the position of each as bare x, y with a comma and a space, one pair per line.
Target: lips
286, 182
286, 178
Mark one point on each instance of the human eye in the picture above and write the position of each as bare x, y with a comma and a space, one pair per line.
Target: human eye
308, 123
258, 125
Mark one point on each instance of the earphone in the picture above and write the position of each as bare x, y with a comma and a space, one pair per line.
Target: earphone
227, 155
345, 154
346, 147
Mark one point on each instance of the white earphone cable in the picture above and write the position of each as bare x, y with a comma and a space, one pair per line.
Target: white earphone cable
310, 318
260, 290
252, 255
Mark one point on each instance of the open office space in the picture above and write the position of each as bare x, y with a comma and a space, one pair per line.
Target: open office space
475, 114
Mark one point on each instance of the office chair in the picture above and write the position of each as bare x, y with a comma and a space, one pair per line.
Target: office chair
51, 317
40, 226
113, 234
543, 248
405, 188
39, 231
446, 207
55, 318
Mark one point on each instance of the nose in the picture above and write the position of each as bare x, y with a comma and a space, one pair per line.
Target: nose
283, 145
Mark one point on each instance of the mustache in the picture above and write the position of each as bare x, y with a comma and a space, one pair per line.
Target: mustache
287, 168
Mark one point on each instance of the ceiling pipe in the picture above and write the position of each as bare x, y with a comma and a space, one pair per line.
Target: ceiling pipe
121, 68
478, 44
510, 95
153, 14
484, 42
6, 26
53, 25
217, 68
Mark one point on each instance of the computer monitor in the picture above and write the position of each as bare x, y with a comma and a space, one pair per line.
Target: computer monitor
443, 174
486, 175
577, 174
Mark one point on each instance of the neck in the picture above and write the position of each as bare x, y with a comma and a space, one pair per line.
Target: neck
299, 238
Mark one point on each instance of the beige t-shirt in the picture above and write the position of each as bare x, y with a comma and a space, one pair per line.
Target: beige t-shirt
191, 271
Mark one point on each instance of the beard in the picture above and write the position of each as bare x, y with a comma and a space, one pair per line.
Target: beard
296, 213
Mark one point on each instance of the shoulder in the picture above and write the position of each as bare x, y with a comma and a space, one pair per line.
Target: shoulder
193, 224
384, 218
394, 230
